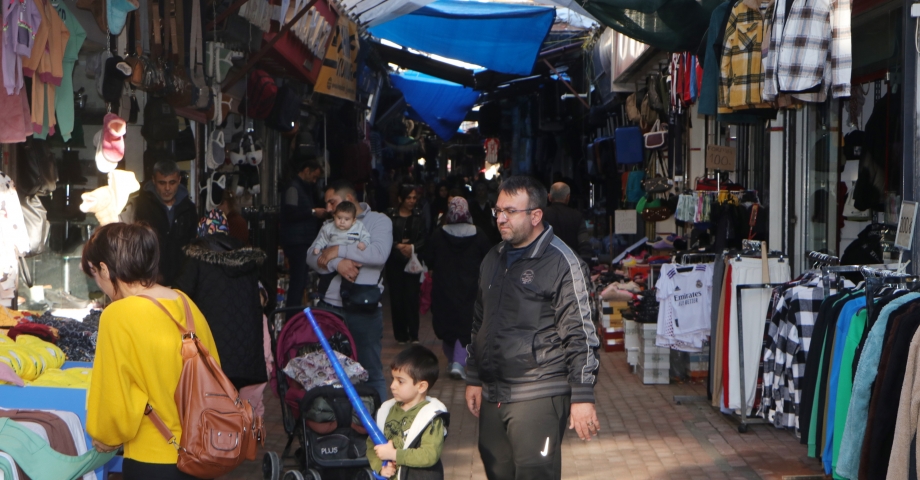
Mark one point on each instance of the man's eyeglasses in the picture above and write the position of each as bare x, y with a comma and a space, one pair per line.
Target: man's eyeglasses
508, 212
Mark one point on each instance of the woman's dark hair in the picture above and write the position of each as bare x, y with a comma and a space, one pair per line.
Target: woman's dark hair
405, 190
130, 251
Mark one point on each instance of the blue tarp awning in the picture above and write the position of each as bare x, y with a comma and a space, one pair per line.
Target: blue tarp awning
497, 36
441, 104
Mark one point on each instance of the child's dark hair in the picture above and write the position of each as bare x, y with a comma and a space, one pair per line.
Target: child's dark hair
346, 207
419, 362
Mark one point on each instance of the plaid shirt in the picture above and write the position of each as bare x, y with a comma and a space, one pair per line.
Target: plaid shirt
795, 309
814, 37
742, 78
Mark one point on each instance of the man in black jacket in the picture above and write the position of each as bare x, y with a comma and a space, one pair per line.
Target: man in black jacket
164, 204
567, 222
300, 223
532, 362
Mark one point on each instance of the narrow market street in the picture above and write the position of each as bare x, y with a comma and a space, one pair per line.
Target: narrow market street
644, 434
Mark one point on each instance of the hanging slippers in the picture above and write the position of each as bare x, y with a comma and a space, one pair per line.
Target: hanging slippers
216, 154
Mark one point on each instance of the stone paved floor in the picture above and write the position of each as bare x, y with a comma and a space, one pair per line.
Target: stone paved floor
644, 435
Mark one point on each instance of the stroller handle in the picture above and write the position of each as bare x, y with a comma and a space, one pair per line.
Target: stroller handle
369, 424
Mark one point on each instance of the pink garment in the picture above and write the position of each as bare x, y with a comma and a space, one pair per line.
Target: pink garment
21, 20
424, 303
8, 375
16, 121
267, 348
253, 393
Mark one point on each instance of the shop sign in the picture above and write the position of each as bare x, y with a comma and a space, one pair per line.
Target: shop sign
906, 223
338, 76
625, 53
720, 157
625, 222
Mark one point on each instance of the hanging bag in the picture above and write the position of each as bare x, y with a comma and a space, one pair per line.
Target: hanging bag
628, 145
219, 430
657, 137
658, 180
414, 265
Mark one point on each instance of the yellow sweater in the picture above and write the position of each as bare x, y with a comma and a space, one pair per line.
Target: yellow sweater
138, 361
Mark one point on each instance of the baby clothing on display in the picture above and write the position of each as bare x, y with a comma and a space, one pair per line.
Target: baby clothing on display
108, 201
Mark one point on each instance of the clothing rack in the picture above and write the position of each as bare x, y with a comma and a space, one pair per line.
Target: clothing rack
819, 259
694, 257
745, 420
877, 278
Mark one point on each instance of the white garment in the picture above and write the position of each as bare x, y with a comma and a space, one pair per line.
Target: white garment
685, 304
107, 202
14, 240
76, 431
746, 271
12, 463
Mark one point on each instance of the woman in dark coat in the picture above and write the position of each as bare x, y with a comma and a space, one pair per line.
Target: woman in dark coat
408, 234
221, 275
453, 254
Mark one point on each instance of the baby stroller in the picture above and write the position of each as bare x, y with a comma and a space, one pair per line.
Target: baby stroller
333, 443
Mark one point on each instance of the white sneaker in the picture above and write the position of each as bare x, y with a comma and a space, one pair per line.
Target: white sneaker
457, 372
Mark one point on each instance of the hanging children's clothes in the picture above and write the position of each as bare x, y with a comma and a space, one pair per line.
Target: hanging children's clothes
685, 297
46, 67
16, 121
21, 21
14, 240
63, 97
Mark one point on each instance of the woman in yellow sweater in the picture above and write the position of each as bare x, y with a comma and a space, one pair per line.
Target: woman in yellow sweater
138, 357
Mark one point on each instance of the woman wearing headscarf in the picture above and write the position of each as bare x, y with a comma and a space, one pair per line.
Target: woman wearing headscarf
453, 255
221, 275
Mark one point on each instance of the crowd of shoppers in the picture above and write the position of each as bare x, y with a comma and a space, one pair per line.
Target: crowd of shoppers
509, 301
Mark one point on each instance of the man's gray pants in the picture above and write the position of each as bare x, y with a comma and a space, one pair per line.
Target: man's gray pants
523, 440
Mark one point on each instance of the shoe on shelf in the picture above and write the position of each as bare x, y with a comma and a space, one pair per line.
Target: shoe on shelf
457, 372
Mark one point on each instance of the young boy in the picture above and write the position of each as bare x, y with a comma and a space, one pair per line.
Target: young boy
414, 423
343, 229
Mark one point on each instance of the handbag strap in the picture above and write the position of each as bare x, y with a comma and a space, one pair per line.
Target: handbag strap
154, 8
196, 62
190, 321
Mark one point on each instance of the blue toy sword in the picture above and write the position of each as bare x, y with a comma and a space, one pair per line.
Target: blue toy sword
369, 424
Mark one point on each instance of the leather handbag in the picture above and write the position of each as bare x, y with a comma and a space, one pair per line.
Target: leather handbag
657, 137
657, 180
629, 145
656, 214
219, 430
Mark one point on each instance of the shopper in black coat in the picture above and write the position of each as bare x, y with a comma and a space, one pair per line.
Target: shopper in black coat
453, 254
408, 236
164, 204
221, 276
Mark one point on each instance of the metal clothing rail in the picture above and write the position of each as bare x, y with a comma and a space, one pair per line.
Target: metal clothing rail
877, 278
745, 422
823, 259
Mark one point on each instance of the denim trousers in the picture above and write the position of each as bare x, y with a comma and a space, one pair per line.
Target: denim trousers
367, 330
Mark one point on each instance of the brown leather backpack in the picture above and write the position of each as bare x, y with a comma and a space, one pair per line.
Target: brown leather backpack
219, 431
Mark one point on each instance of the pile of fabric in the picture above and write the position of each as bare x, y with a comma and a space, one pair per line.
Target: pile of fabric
77, 339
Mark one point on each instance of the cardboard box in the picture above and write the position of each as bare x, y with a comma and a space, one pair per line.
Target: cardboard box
654, 376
